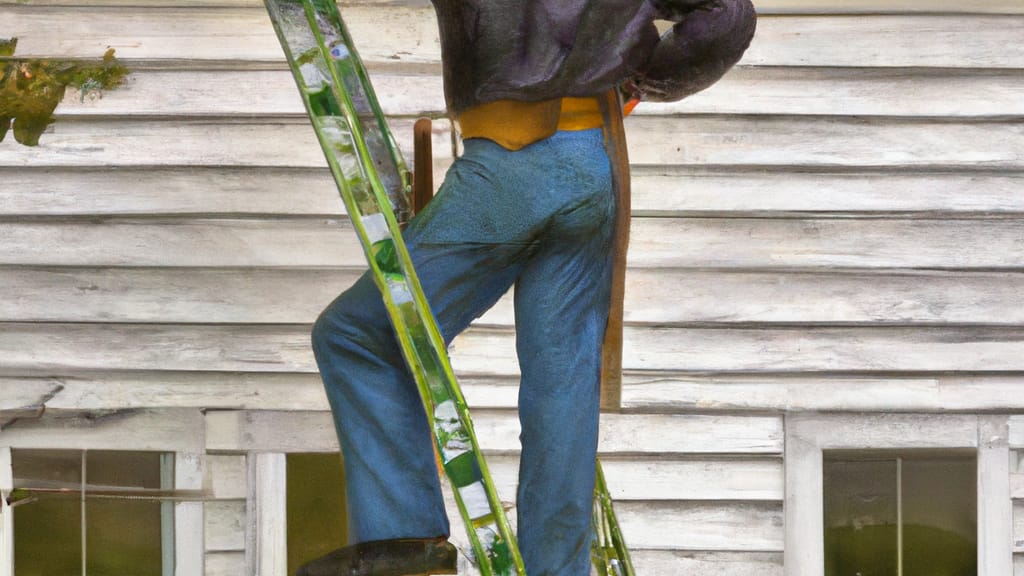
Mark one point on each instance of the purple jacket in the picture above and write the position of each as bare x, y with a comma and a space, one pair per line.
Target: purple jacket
543, 49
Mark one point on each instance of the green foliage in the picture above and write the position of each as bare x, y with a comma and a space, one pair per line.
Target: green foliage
30, 90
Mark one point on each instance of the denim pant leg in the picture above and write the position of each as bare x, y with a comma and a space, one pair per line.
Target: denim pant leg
499, 215
562, 298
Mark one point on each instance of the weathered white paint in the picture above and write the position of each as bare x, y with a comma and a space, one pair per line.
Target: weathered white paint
700, 141
225, 525
659, 243
241, 92
995, 518
1017, 432
671, 477
657, 191
266, 515
277, 142
498, 431
227, 476
48, 348
189, 529
168, 430
797, 392
684, 563
733, 526
653, 296
808, 435
225, 564
669, 392
245, 34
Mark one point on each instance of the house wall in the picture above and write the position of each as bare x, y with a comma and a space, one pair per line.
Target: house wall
835, 227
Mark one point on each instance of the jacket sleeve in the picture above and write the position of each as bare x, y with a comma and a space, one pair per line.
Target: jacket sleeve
707, 39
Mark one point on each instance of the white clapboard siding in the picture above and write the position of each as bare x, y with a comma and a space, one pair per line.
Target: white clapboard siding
281, 142
185, 92
35, 348
654, 297
673, 190
657, 191
732, 526
498, 430
745, 90
685, 563
676, 141
170, 430
245, 34
671, 392
185, 191
903, 393
808, 91
655, 242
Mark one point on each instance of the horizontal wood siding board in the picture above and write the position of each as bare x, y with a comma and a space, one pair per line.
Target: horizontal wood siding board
702, 141
170, 430
237, 91
946, 193
769, 141
809, 91
727, 526
185, 191
207, 33
669, 393
246, 34
661, 297
53, 348
657, 191
805, 392
684, 563
280, 143
950, 41
720, 243
244, 93
498, 431
692, 478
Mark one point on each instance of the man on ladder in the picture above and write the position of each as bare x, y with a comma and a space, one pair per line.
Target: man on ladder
533, 86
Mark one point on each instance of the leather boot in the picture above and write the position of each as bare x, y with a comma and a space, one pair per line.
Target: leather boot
404, 557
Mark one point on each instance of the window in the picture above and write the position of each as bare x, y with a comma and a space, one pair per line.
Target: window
902, 513
78, 512
889, 468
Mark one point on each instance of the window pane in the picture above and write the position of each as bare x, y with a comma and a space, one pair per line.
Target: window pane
316, 507
940, 517
860, 517
47, 533
123, 536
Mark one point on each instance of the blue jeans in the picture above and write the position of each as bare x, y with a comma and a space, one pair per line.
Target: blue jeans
540, 218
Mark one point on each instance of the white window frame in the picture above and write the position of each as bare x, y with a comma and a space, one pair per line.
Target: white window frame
808, 435
180, 432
